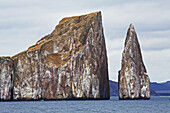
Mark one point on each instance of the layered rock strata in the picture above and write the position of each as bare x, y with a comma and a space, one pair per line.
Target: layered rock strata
69, 63
134, 82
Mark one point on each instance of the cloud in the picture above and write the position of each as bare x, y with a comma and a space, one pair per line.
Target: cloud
25, 22
145, 15
158, 63
114, 51
155, 43
156, 60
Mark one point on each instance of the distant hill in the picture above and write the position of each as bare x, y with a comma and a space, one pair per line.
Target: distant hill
157, 89
160, 86
162, 89
113, 88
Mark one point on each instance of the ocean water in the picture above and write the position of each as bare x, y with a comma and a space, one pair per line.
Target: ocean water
154, 105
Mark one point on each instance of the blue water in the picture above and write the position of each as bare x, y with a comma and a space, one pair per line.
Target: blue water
155, 105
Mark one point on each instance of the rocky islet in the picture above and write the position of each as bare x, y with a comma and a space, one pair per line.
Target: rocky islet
71, 63
134, 82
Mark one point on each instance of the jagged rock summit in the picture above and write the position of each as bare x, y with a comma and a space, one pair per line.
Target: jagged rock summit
134, 82
69, 63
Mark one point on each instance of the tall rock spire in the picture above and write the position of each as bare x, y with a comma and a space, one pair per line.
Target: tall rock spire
134, 82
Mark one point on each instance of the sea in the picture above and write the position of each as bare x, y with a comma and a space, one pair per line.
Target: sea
155, 105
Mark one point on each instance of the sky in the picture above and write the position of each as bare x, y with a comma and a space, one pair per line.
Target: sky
23, 22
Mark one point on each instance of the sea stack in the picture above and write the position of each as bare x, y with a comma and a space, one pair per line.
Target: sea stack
69, 63
134, 82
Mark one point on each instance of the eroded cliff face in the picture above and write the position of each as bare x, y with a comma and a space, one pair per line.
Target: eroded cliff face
134, 82
6, 72
69, 63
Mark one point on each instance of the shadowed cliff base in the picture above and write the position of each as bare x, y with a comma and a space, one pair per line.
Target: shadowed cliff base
68, 99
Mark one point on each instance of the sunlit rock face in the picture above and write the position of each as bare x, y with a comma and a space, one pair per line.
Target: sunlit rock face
6, 72
69, 63
134, 82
